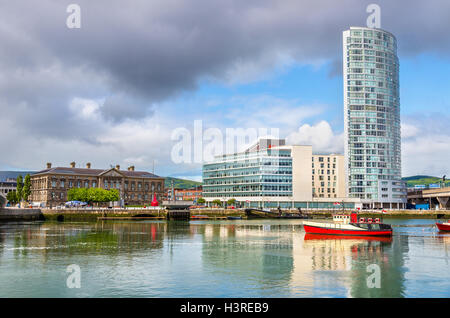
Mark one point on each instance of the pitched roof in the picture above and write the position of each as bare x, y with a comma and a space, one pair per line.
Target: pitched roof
96, 172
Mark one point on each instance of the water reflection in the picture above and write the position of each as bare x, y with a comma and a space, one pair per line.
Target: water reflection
209, 259
354, 254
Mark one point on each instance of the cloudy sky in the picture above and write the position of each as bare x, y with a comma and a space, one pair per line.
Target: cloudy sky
115, 90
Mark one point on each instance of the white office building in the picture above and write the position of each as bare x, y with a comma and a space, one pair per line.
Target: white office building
271, 174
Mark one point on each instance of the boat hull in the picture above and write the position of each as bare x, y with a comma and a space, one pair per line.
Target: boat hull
313, 237
317, 229
443, 227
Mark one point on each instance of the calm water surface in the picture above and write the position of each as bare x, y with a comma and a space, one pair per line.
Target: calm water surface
248, 258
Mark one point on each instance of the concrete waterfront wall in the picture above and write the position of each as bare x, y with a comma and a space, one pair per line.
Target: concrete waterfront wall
88, 214
15, 214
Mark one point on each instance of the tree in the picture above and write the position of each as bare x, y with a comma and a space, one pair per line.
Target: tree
113, 195
217, 202
231, 201
19, 188
201, 201
12, 197
93, 195
26, 191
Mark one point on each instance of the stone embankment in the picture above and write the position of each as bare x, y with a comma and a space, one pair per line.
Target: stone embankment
17, 214
94, 214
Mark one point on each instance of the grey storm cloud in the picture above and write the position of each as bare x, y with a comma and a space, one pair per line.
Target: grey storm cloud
134, 56
154, 50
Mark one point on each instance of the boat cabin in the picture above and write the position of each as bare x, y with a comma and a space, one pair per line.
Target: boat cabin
341, 218
353, 218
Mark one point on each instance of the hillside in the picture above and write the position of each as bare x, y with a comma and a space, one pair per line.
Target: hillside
181, 183
415, 180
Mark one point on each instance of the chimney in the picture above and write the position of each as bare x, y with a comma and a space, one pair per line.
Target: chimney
131, 168
88, 165
117, 167
72, 164
49, 165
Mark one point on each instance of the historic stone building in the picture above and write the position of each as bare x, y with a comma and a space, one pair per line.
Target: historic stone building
49, 187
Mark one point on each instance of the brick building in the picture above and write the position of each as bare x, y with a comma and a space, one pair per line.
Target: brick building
185, 194
49, 187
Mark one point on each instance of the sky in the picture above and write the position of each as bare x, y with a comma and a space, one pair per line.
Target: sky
136, 76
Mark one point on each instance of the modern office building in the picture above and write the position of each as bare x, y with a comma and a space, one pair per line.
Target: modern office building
272, 174
372, 118
7, 186
49, 187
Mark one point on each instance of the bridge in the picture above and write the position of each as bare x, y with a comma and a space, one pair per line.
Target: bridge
178, 210
435, 197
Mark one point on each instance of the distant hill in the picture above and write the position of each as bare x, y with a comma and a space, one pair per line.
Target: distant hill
181, 183
13, 174
415, 180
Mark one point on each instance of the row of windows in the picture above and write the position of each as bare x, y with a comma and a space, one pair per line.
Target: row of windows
106, 185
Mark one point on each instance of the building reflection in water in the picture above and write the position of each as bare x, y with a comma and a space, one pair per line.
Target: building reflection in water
259, 254
352, 256
53, 239
267, 260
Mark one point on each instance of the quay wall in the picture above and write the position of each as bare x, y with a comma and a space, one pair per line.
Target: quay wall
17, 214
93, 215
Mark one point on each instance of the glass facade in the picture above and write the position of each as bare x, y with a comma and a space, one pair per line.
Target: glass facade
266, 173
372, 113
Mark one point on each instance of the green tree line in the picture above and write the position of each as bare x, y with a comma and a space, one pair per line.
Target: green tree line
93, 195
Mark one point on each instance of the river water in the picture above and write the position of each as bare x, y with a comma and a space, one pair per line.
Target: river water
239, 258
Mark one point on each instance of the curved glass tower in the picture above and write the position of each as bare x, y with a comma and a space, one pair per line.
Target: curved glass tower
372, 118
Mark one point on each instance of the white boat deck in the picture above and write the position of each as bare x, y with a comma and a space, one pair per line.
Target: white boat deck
337, 226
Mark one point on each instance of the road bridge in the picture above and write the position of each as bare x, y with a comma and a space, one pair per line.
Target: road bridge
435, 197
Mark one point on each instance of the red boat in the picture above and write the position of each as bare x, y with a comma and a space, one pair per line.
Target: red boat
344, 224
443, 226
313, 237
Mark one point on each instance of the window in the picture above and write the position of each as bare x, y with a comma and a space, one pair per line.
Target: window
53, 183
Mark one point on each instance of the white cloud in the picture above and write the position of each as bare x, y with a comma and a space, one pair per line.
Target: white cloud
320, 136
425, 145
408, 130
